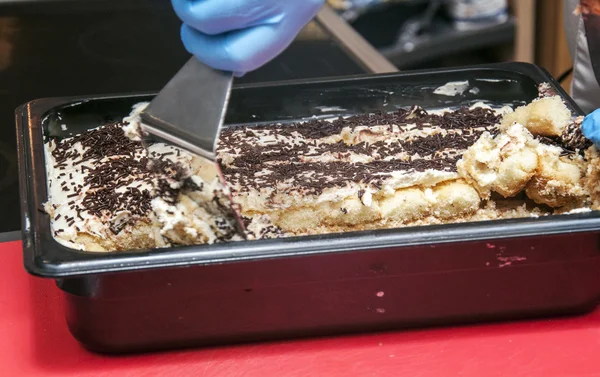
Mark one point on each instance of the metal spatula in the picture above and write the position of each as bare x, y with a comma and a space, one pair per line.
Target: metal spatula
189, 113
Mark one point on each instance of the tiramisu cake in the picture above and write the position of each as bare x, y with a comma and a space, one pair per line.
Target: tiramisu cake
384, 170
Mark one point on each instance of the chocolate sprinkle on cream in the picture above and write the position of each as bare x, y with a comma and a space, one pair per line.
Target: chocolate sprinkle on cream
361, 193
112, 161
254, 166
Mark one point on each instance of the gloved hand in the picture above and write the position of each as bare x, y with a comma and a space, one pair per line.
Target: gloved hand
241, 35
591, 127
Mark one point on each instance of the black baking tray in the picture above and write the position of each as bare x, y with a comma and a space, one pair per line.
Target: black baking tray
314, 285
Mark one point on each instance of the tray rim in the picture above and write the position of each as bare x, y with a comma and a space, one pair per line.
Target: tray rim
100, 263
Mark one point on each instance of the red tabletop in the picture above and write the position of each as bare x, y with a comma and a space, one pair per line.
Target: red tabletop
34, 341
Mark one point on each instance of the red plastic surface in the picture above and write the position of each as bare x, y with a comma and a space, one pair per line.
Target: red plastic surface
34, 341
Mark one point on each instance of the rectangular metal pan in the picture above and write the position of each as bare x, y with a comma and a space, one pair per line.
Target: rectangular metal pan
303, 286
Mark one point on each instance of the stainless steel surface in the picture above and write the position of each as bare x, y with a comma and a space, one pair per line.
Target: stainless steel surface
189, 111
411, 28
592, 31
354, 44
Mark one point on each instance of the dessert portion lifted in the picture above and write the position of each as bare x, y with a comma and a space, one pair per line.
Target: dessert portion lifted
370, 171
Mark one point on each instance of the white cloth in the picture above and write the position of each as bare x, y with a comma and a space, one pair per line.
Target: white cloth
584, 88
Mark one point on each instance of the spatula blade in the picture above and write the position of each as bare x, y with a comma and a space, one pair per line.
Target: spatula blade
190, 110
189, 113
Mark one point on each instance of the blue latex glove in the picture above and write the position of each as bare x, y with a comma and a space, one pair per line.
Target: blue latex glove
591, 127
241, 35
